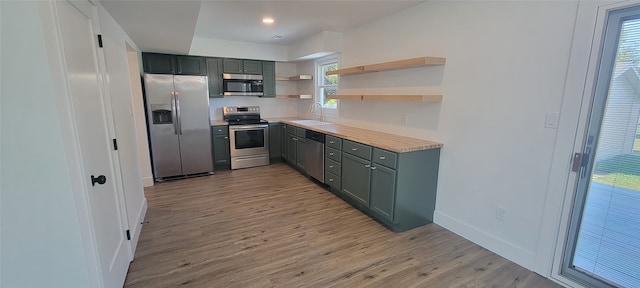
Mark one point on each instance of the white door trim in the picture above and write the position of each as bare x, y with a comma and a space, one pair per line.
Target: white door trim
576, 104
66, 118
79, 185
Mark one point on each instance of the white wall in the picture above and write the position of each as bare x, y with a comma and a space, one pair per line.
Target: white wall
133, 58
269, 107
506, 65
321, 44
41, 243
236, 49
119, 87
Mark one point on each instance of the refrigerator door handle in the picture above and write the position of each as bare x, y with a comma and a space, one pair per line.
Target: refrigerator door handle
174, 113
177, 97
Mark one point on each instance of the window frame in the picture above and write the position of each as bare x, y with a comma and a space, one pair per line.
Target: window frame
319, 63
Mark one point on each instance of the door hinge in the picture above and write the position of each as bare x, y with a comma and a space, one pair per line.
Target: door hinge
128, 235
115, 144
100, 40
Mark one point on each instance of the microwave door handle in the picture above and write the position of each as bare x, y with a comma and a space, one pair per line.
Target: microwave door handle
174, 114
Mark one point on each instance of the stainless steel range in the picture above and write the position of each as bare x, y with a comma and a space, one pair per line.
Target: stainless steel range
248, 136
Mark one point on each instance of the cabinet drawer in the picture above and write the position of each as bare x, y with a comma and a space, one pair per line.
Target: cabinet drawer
384, 157
332, 167
357, 149
300, 132
333, 181
291, 129
220, 130
332, 154
334, 142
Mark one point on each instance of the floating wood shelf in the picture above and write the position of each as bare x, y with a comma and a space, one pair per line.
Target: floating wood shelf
347, 71
303, 96
396, 98
393, 65
295, 78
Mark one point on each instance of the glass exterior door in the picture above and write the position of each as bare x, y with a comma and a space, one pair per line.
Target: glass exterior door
603, 246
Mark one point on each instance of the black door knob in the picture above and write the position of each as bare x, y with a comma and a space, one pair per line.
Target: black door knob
100, 180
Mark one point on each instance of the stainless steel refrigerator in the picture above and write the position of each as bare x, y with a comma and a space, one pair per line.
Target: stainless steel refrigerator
179, 125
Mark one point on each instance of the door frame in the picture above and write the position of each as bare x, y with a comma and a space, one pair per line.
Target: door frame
582, 70
67, 121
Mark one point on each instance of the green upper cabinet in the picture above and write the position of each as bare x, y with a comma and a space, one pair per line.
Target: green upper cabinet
233, 66
241, 66
173, 64
214, 74
190, 65
252, 67
269, 79
158, 63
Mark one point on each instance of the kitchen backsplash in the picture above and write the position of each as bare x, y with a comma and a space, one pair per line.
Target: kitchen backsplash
269, 107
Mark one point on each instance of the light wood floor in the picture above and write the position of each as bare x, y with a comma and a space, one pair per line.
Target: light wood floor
272, 227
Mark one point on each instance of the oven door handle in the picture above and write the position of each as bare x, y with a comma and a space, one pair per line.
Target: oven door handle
248, 127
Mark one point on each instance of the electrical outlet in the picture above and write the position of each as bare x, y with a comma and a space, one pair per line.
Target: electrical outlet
500, 213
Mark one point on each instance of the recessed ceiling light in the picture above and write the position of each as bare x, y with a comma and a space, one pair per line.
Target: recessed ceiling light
267, 20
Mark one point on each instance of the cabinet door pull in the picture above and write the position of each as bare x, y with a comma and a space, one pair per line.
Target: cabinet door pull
225, 137
373, 167
330, 166
330, 153
330, 179
331, 142
382, 157
354, 149
367, 165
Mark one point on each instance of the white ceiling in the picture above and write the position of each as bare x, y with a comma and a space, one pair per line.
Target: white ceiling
169, 26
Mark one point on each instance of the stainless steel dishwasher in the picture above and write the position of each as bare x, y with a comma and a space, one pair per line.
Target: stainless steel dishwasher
315, 154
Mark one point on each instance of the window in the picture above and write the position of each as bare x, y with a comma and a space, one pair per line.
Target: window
327, 85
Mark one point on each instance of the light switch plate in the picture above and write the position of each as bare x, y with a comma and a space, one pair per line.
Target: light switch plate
551, 120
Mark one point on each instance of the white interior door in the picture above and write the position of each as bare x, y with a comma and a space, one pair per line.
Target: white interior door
76, 23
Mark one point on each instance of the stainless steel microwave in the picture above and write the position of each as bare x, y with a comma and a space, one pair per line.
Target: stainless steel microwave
242, 85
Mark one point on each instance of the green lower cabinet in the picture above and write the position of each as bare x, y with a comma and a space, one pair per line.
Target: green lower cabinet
283, 140
275, 142
291, 148
356, 178
301, 153
296, 150
221, 148
383, 191
333, 181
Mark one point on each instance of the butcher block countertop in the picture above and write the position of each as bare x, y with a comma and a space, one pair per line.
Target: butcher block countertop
382, 140
391, 142
218, 122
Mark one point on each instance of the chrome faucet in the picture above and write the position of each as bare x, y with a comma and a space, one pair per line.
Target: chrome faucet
312, 109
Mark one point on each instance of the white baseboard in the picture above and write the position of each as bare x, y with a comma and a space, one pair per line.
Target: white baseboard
512, 252
147, 181
135, 233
